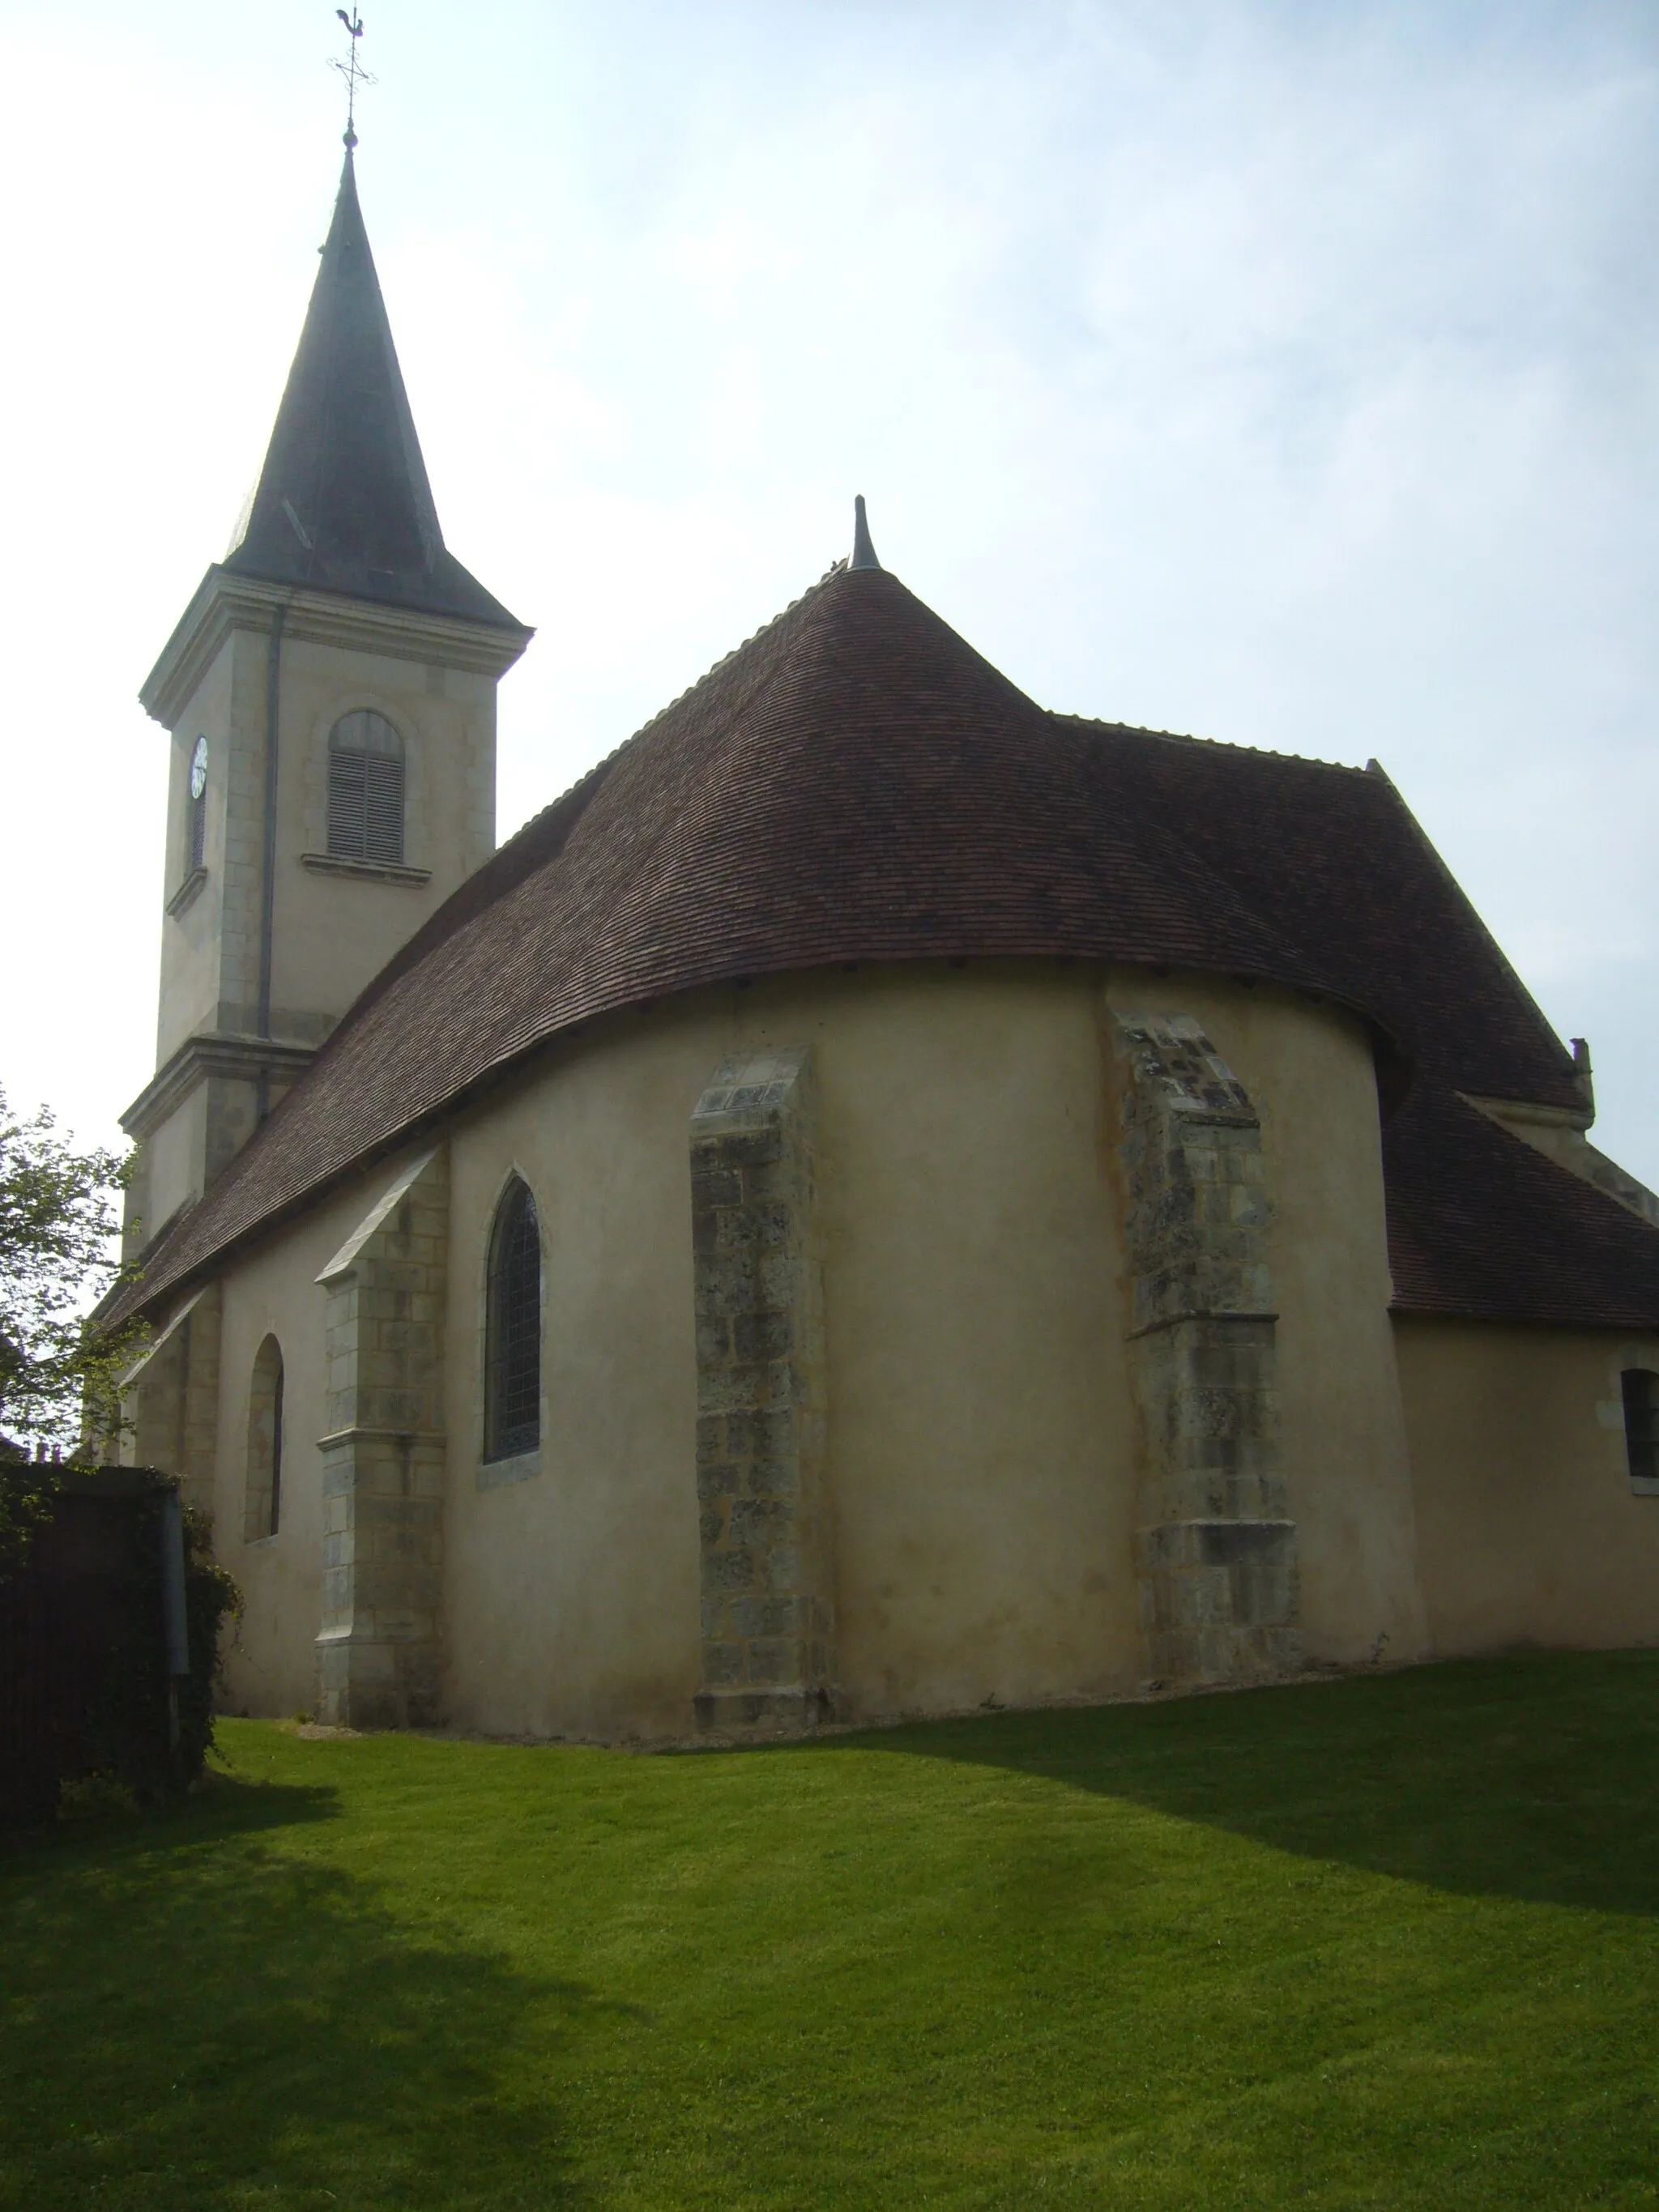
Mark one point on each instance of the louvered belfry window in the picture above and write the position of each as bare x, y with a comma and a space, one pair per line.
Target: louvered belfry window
365, 788
513, 1329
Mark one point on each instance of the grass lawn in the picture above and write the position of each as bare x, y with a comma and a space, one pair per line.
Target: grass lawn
1383, 1942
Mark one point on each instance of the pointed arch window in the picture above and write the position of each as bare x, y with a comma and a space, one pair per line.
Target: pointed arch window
264, 1510
513, 1328
1640, 1388
365, 788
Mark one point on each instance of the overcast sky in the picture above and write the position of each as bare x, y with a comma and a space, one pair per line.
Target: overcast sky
1281, 372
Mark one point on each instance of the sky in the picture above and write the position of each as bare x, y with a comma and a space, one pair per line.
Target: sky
1274, 371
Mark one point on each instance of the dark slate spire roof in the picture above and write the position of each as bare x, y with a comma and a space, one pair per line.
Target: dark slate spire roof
342, 503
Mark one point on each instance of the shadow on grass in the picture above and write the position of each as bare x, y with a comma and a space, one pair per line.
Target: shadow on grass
221, 1805
1534, 1777
196, 2020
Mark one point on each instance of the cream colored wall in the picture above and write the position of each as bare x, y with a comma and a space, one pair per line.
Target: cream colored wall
204, 950
333, 933
1310, 1075
980, 1439
571, 1579
173, 1162
271, 1665
329, 934
1528, 1531
982, 1443
983, 1447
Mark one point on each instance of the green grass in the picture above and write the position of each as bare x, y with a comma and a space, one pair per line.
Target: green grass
1381, 1943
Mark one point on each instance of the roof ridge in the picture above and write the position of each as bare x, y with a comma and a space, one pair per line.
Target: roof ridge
604, 760
1218, 744
713, 668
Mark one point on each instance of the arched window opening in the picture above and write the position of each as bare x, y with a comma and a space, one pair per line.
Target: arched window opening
1640, 1387
513, 1329
264, 1444
198, 768
365, 788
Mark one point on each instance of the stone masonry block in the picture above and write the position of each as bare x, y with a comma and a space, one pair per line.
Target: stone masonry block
763, 1335
767, 1613
778, 1661
1216, 1557
716, 1185
782, 1569
783, 1616
383, 1463
726, 1571
722, 1663
728, 1283
762, 1520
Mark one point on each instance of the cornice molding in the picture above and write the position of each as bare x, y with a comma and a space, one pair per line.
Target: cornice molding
199, 1057
187, 892
378, 872
225, 603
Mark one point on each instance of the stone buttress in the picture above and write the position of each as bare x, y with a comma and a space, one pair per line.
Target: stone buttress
1216, 1549
171, 1399
383, 1458
768, 1631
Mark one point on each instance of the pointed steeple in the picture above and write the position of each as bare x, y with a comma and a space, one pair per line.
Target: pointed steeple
343, 503
864, 553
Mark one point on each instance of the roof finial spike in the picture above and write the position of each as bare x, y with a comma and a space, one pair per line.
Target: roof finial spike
354, 73
864, 553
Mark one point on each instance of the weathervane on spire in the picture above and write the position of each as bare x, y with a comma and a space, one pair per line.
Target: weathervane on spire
352, 71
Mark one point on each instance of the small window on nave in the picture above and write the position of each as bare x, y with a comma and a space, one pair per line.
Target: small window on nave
513, 1328
262, 1511
365, 788
1640, 1387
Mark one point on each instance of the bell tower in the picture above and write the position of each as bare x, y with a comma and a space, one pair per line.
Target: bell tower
331, 696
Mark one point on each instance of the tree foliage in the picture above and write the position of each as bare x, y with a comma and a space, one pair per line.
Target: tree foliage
60, 1370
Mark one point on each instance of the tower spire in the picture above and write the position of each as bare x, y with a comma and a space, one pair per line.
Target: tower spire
343, 503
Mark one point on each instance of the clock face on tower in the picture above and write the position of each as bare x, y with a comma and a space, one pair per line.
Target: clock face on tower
198, 768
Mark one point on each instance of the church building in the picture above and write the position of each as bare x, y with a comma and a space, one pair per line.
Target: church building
884, 1199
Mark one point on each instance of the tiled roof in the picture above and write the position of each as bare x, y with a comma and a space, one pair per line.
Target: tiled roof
1481, 1225
855, 783
1333, 856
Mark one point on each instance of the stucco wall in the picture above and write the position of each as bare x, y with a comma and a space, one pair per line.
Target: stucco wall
1528, 1531
214, 928
332, 933
982, 1439
271, 1669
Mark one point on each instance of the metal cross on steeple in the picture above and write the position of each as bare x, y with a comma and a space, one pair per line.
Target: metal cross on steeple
352, 71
